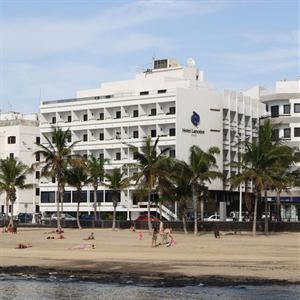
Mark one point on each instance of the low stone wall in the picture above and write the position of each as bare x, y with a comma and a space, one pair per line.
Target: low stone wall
176, 225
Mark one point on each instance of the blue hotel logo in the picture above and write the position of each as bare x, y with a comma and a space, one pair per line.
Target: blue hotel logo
195, 119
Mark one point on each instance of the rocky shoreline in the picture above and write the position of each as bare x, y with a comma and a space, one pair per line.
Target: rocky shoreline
139, 279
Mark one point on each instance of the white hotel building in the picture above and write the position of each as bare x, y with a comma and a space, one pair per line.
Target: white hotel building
159, 102
18, 137
283, 109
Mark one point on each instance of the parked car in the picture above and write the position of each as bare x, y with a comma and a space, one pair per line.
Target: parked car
144, 217
66, 217
86, 217
24, 218
216, 218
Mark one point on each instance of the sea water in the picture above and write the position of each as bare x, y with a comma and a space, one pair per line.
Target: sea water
18, 288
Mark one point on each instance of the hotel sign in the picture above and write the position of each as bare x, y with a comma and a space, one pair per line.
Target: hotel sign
195, 119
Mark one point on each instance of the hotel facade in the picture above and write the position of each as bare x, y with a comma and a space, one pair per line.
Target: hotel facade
19, 135
169, 101
283, 109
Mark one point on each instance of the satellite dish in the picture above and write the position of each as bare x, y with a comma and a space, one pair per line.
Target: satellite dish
191, 62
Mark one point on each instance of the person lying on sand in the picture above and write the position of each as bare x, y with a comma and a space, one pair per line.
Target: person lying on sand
83, 247
90, 237
23, 246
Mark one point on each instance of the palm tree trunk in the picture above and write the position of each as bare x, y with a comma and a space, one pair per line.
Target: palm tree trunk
58, 195
62, 200
184, 223
254, 215
278, 207
149, 215
202, 209
7, 206
160, 210
114, 216
266, 214
95, 202
195, 210
78, 206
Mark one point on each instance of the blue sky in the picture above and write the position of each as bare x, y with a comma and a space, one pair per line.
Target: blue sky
54, 48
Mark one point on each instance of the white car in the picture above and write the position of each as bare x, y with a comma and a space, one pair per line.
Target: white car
216, 218
66, 217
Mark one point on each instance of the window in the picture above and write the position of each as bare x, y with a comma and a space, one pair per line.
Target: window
118, 115
85, 117
286, 109
99, 196
76, 196
153, 112
161, 91
53, 120
172, 131
160, 64
85, 156
69, 138
172, 110
275, 134
47, 197
69, 119
297, 132
153, 133
274, 111
287, 133
101, 136
37, 140
53, 140
297, 108
101, 156
67, 197
144, 93
109, 195
267, 107
118, 156
11, 140
53, 179
37, 157
11, 155
135, 155
85, 137
101, 116
37, 191
135, 113
172, 153
37, 174
136, 134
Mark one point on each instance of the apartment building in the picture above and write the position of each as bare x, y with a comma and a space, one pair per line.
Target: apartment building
18, 137
283, 109
169, 101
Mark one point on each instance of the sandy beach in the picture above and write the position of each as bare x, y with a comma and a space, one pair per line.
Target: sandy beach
273, 257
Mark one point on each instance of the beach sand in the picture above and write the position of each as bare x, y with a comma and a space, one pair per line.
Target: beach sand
273, 257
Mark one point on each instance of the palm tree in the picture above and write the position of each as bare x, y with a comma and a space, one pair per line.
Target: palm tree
77, 176
12, 176
177, 187
117, 183
259, 163
96, 173
149, 165
202, 168
57, 155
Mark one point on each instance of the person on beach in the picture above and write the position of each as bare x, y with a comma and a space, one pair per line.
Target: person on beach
83, 247
132, 229
23, 246
90, 237
154, 237
140, 235
161, 227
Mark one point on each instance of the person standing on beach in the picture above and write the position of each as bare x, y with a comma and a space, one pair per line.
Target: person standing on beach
154, 237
